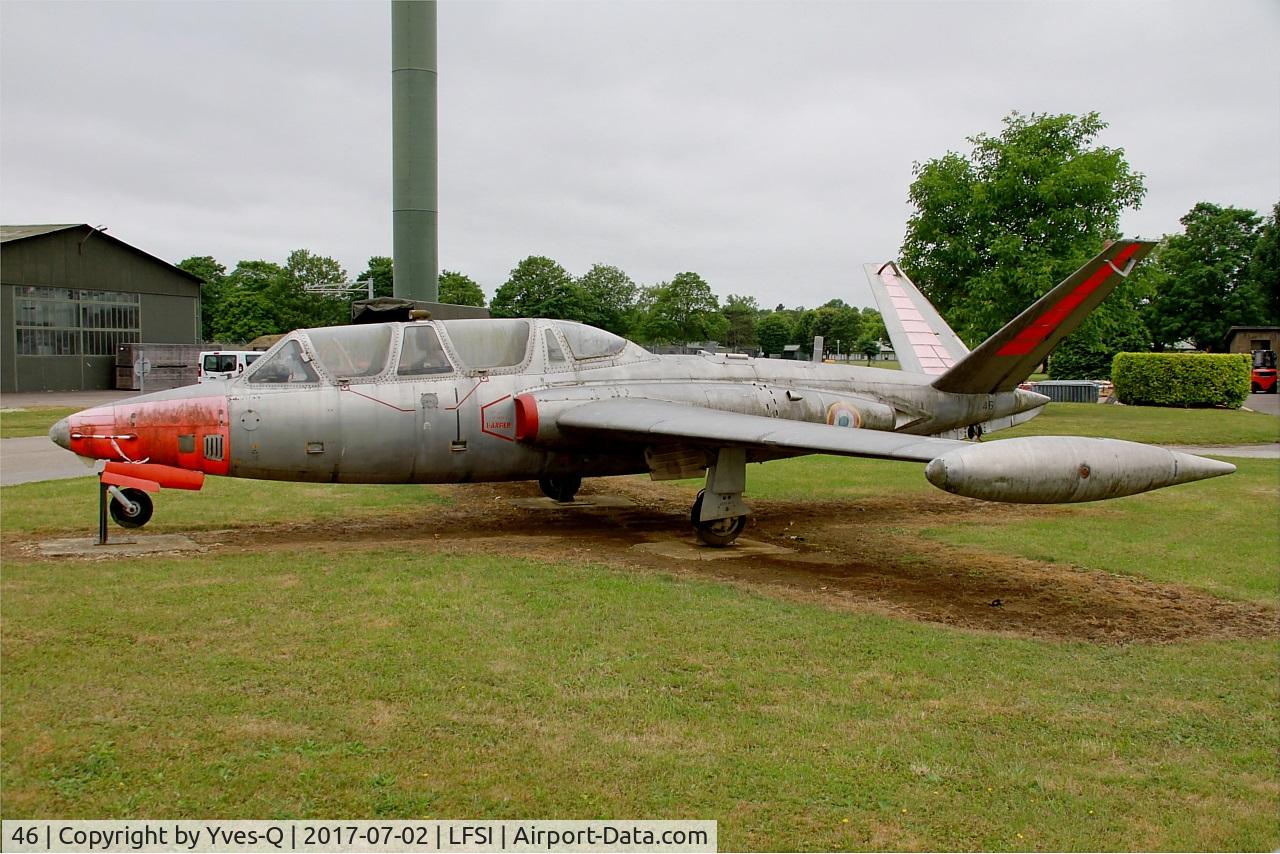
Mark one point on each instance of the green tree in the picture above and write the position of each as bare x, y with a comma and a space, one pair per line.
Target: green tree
684, 310
1088, 353
1205, 287
245, 314
296, 306
608, 296
246, 308
869, 347
741, 312
836, 322
460, 289
1264, 269
873, 325
212, 274
538, 287
264, 298
379, 270
994, 230
774, 331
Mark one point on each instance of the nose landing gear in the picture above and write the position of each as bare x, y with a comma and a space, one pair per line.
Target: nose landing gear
130, 508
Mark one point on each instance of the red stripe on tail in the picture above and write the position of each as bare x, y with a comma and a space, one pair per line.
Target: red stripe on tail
1040, 328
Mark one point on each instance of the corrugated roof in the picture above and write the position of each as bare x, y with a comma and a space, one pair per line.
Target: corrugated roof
18, 232
10, 233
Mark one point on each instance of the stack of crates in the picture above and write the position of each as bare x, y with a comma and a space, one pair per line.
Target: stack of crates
172, 365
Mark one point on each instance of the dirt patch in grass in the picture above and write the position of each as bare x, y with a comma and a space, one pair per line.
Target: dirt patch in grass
842, 555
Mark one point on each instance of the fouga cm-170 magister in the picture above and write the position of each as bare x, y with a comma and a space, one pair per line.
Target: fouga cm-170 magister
458, 401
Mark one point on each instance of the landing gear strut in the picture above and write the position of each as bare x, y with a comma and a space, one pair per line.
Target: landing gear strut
719, 514
561, 488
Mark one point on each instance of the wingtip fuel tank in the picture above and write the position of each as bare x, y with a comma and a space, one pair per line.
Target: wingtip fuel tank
1064, 469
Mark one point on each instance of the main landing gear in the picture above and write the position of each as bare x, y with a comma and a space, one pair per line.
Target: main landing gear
719, 514
717, 532
561, 488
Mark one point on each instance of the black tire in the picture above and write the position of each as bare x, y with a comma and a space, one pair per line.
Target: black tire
562, 488
717, 533
143, 509
1257, 389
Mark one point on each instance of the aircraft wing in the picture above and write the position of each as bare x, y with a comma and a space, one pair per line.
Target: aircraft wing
1029, 470
649, 420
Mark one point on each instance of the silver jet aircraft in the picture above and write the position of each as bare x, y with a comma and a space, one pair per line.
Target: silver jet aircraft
459, 401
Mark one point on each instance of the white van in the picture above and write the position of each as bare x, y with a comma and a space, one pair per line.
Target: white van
225, 364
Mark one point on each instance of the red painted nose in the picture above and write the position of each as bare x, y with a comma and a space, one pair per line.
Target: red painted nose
187, 432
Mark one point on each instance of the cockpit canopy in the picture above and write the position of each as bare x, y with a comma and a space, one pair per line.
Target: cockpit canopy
426, 348
588, 342
487, 344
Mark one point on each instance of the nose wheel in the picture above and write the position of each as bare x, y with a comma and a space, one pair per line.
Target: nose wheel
134, 510
561, 488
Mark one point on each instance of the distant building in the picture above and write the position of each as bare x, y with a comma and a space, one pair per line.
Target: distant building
1246, 339
71, 295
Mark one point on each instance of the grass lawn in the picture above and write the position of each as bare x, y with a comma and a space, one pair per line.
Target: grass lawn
223, 503
1155, 425
402, 685
1218, 535
336, 679
15, 423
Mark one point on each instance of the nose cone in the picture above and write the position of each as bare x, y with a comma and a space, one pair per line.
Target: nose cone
60, 433
1189, 467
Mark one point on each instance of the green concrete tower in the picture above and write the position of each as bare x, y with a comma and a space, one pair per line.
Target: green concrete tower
414, 187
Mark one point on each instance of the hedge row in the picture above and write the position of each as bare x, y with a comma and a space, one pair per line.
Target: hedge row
1181, 379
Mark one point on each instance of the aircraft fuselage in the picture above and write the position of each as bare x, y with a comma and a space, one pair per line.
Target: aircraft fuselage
462, 424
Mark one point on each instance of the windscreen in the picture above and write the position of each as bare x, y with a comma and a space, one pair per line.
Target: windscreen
349, 352
484, 344
286, 365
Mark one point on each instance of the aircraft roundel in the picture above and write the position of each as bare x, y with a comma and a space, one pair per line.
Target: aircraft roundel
841, 414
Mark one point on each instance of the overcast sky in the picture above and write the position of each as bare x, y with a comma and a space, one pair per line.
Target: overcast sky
766, 146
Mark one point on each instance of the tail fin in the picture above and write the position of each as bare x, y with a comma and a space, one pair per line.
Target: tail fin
1008, 357
922, 341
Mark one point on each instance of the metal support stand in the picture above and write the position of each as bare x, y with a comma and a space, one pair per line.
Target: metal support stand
102, 512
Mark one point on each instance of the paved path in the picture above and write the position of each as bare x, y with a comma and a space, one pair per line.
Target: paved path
1269, 451
1268, 403
33, 458
78, 399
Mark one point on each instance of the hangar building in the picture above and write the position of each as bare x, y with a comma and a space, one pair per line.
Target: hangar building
70, 295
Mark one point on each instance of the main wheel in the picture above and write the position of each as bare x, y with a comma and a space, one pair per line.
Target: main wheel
718, 532
141, 510
561, 488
